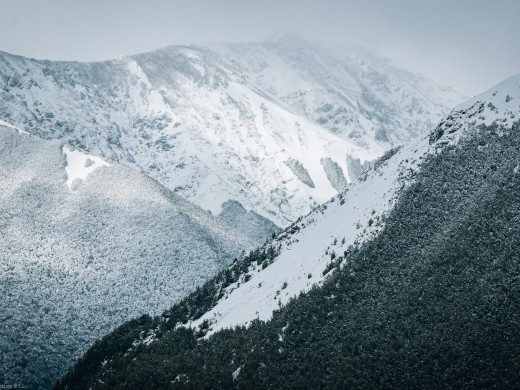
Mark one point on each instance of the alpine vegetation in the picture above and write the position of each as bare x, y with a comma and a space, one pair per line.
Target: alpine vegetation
249, 223
87, 244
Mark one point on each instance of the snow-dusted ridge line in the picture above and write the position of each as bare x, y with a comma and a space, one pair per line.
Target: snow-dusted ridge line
499, 104
308, 246
218, 122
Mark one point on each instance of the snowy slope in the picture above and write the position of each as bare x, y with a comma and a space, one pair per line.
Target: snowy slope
347, 90
85, 245
228, 122
308, 248
500, 104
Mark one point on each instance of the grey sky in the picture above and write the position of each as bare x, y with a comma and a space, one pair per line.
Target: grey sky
467, 44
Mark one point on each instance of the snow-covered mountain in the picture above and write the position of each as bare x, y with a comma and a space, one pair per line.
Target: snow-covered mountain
411, 274
278, 125
85, 245
308, 247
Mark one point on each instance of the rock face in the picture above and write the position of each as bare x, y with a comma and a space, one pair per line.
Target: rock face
334, 173
300, 172
86, 245
220, 122
249, 223
355, 167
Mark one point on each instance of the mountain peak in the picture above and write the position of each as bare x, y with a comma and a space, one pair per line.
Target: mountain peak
288, 37
503, 92
280, 97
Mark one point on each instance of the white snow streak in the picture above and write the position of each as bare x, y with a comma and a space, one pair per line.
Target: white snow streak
3, 123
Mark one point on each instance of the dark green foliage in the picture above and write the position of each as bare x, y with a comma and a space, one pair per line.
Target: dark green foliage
194, 306
432, 302
110, 346
207, 296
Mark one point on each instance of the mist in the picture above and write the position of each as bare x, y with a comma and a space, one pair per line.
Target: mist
468, 45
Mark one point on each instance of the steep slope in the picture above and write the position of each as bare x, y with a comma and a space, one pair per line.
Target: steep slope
228, 122
347, 90
85, 245
309, 245
426, 297
249, 223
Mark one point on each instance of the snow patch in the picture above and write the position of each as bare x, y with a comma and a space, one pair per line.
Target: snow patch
80, 165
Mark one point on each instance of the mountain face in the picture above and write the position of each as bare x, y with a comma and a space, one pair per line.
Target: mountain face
249, 223
272, 125
88, 244
406, 279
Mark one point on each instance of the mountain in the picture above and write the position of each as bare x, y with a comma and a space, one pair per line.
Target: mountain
406, 279
273, 125
87, 244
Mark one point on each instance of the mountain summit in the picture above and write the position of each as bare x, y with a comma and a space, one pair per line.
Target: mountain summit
275, 125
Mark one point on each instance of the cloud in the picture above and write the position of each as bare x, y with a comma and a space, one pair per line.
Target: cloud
467, 44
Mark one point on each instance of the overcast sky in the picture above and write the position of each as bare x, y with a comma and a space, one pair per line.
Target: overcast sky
466, 44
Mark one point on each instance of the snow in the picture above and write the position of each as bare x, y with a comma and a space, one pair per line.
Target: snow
305, 254
218, 122
114, 248
3, 123
505, 97
80, 165
500, 104
333, 227
149, 339
236, 373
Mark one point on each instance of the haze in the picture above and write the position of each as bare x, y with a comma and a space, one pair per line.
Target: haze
467, 44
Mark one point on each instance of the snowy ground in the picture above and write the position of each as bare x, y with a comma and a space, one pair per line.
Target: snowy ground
354, 216
220, 122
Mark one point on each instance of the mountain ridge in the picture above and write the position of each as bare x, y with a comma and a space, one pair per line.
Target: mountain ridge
218, 123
